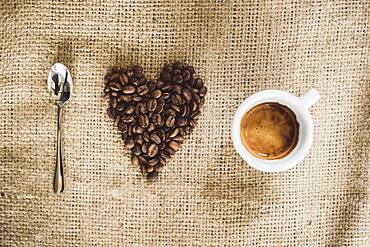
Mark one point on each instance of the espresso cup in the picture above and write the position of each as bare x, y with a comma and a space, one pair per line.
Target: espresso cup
299, 106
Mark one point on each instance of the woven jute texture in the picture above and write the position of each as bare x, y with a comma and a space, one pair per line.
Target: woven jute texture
207, 195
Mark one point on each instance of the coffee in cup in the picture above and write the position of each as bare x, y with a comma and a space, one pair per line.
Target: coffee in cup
269, 131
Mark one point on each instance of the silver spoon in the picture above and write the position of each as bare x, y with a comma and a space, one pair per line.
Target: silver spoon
60, 89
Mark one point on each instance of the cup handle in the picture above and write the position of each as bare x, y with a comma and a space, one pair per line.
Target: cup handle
310, 98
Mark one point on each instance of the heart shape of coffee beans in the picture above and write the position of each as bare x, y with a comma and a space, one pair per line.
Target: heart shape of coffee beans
154, 116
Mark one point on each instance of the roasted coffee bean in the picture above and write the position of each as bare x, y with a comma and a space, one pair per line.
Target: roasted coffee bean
179, 138
130, 132
152, 150
111, 113
173, 132
155, 138
165, 95
146, 136
175, 108
115, 86
198, 83
203, 91
169, 150
184, 111
129, 89
176, 72
153, 162
156, 119
170, 122
201, 102
177, 78
178, 65
113, 103
129, 143
195, 114
151, 104
115, 69
177, 89
181, 121
122, 126
120, 106
151, 127
143, 89
127, 118
125, 98
156, 93
159, 167
174, 145
164, 155
129, 109
142, 160
149, 169
186, 94
143, 120
137, 69
139, 139
162, 145
166, 88
136, 150
144, 148
186, 75
162, 135
142, 108
192, 123
152, 176
151, 85
165, 76
137, 98
135, 160
117, 119
137, 129
123, 79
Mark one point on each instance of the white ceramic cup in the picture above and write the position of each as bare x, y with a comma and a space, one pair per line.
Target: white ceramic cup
300, 106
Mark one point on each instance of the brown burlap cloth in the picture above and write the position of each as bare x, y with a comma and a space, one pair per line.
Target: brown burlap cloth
207, 195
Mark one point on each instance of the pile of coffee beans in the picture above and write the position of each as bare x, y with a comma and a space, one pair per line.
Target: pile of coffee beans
154, 116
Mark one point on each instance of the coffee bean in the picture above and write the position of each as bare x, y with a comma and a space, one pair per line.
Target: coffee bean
122, 126
178, 65
165, 76
126, 98
170, 122
155, 138
169, 150
176, 72
142, 90
174, 145
146, 136
181, 121
203, 91
173, 132
162, 135
111, 113
156, 93
137, 129
137, 69
115, 86
201, 102
129, 89
165, 95
179, 138
152, 176
137, 98
123, 79
164, 155
156, 119
129, 143
153, 162
144, 148
129, 109
134, 160
151, 104
158, 167
186, 75
127, 118
142, 160
141, 108
143, 120
166, 88
187, 95
139, 139
177, 89
176, 108
152, 150
113, 103
198, 83
136, 150
177, 78
162, 145
151, 127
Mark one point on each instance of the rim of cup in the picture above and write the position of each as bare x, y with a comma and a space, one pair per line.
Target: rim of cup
300, 106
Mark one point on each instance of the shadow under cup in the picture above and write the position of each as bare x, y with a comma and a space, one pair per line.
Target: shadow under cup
305, 131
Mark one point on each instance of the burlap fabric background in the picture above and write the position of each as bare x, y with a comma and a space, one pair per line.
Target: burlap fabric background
207, 195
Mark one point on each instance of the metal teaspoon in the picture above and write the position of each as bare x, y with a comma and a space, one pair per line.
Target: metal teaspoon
60, 89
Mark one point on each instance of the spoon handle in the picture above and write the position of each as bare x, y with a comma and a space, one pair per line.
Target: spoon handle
59, 177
